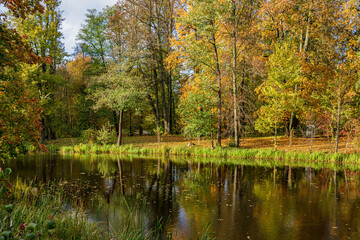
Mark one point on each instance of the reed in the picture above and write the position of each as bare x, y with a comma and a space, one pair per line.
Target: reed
36, 205
228, 152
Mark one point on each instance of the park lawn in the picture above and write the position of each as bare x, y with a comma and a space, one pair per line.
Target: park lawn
320, 144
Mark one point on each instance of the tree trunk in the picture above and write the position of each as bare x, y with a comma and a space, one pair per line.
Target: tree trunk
158, 134
157, 108
130, 124
212, 140
291, 128
140, 125
337, 127
275, 137
236, 134
119, 141
164, 106
218, 75
170, 105
218, 135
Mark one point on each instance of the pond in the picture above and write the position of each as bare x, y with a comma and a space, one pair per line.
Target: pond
235, 201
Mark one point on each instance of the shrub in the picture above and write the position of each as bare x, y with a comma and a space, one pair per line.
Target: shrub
105, 135
88, 136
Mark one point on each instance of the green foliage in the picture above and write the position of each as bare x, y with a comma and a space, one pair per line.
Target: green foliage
196, 109
279, 91
88, 136
118, 89
93, 41
4, 181
106, 135
19, 116
43, 33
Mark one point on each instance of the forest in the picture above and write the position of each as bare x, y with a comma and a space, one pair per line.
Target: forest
213, 69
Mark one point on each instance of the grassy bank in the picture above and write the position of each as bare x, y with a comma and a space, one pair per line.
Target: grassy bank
39, 212
227, 152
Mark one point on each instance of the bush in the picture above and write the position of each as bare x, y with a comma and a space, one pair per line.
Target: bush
4, 180
88, 136
105, 135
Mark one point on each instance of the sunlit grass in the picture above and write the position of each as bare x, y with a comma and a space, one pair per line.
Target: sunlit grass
227, 152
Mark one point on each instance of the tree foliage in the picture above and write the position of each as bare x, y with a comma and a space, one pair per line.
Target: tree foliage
20, 112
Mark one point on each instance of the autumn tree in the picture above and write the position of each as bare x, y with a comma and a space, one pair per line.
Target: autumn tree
199, 43
119, 90
43, 35
238, 25
141, 32
197, 110
279, 91
20, 113
331, 60
72, 105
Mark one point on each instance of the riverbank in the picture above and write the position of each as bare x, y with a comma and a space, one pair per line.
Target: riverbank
207, 152
252, 148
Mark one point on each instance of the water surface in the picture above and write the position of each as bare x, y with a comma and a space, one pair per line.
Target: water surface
240, 201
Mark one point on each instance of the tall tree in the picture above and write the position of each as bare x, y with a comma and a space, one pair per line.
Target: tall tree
43, 34
279, 90
143, 29
197, 109
92, 38
119, 89
20, 113
238, 25
199, 42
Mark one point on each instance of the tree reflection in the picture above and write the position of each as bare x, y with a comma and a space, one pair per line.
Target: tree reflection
241, 201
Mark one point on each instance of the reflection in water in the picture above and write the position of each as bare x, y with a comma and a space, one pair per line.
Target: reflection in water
240, 201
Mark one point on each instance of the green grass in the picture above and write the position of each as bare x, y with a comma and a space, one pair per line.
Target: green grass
39, 203
237, 153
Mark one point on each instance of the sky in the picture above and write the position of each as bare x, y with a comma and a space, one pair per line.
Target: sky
74, 13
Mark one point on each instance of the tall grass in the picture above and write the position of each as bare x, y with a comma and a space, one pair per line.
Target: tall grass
38, 203
217, 152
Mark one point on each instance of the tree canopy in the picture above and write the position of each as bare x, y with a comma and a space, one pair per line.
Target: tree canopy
192, 67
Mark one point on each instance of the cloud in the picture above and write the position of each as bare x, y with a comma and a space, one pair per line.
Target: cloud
74, 13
